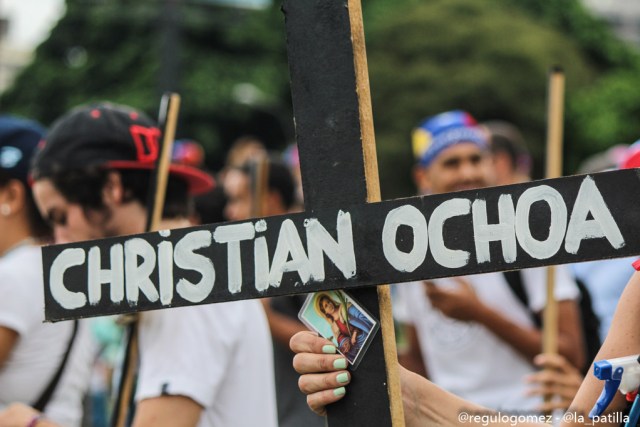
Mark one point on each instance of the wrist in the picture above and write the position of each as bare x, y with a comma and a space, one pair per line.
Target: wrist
481, 313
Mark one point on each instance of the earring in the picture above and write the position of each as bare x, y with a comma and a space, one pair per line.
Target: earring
5, 209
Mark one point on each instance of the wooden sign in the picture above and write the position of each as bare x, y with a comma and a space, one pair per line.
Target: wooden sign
556, 221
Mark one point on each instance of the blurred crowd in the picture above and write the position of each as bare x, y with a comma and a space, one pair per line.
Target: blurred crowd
229, 364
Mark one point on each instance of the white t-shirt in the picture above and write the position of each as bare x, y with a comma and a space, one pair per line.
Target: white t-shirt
466, 358
219, 355
40, 347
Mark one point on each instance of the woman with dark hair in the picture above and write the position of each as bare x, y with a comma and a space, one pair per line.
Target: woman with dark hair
44, 365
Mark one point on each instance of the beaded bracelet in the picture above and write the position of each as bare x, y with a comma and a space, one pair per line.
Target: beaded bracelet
34, 421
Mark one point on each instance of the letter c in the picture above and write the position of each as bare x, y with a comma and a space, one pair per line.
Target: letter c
68, 258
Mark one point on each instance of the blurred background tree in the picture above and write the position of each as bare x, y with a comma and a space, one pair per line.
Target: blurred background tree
229, 64
489, 58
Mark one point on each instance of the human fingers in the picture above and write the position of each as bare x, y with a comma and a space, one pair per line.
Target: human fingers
315, 354
310, 342
310, 363
553, 377
313, 383
317, 402
555, 361
17, 414
324, 372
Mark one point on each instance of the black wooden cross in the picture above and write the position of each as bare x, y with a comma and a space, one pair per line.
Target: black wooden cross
344, 239
334, 132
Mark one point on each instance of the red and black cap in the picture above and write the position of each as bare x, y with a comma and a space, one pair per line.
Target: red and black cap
110, 136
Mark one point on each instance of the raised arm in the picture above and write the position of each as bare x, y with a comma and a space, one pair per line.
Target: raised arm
8, 339
323, 380
463, 304
623, 340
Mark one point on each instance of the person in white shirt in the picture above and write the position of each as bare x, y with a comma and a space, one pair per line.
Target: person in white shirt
204, 366
32, 352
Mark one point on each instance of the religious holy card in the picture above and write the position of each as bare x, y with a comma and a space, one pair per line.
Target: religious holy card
336, 316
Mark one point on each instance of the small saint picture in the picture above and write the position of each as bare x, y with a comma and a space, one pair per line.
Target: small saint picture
339, 318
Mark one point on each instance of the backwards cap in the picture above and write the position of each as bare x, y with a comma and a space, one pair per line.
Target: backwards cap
437, 133
18, 140
110, 136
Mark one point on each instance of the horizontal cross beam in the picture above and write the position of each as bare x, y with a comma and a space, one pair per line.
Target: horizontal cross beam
557, 221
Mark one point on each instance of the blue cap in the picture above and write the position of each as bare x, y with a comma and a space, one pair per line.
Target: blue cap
437, 133
18, 140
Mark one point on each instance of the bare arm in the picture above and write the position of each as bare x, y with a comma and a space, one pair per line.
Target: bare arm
167, 411
411, 358
528, 341
424, 403
20, 415
282, 327
558, 377
8, 339
623, 340
463, 304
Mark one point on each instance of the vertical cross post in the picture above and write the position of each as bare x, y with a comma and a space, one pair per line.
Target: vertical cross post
334, 131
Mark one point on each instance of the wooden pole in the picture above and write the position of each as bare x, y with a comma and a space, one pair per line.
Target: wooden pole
259, 185
168, 119
170, 122
129, 366
374, 195
555, 114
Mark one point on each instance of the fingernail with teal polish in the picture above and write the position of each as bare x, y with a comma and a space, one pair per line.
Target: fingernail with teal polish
329, 349
342, 378
340, 364
340, 391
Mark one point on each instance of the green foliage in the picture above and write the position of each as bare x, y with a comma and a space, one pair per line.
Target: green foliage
608, 112
488, 58
89, 57
604, 113
113, 50
591, 33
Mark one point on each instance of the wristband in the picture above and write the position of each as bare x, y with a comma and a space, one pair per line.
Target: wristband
34, 421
